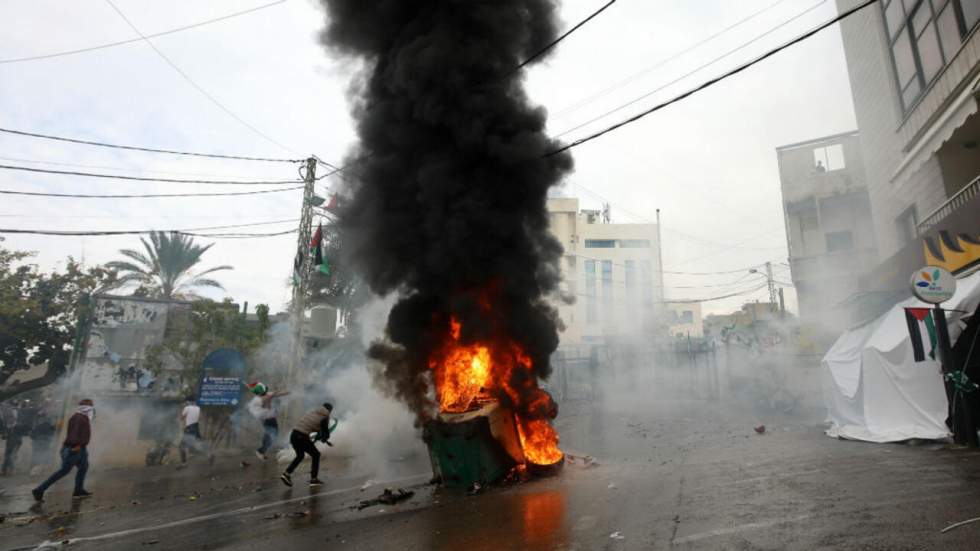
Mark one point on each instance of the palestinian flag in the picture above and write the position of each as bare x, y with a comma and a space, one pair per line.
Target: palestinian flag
917, 320
316, 249
333, 206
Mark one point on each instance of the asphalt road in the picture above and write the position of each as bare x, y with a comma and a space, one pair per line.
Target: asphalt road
674, 470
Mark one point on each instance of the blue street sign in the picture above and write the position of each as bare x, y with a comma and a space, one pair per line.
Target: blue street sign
219, 391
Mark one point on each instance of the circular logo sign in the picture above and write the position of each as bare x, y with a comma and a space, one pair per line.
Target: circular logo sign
933, 285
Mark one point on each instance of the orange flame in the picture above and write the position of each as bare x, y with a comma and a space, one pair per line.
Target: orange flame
468, 374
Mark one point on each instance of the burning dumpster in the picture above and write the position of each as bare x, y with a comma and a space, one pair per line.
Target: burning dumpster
476, 438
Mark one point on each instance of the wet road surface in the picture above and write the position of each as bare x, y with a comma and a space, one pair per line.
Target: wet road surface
684, 473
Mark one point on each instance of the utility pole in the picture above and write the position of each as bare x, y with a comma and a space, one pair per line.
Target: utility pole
771, 284
660, 262
301, 280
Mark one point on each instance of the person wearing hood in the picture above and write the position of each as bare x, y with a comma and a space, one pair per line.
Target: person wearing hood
74, 452
315, 422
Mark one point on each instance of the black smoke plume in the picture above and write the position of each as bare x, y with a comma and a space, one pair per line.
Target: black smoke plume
449, 180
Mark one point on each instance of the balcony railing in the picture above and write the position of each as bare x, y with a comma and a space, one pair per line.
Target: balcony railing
962, 196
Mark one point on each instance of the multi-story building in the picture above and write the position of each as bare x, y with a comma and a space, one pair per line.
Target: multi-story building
611, 272
684, 319
828, 222
914, 68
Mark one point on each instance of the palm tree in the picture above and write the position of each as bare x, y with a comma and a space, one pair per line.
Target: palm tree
164, 269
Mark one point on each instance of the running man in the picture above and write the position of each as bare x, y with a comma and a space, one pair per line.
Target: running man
74, 452
263, 408
191, 439
316, 421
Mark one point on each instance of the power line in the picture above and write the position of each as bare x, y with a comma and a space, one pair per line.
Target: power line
555, 42
711, 299
190, 81
662, 62
131, 40
734, 246
143, 179
188, 231
147, 149
693, 71
129, 169
145, 196
713, 81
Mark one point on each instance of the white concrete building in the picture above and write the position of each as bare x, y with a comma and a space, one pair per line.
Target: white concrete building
610, 270
914, 68
828, 222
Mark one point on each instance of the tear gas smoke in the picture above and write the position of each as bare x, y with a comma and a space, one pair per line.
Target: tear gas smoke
447, 208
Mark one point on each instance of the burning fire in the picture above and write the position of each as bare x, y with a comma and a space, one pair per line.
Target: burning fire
466, 375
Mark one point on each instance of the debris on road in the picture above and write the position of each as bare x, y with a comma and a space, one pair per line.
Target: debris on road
388, 497
617, 536
586, 461
760, 429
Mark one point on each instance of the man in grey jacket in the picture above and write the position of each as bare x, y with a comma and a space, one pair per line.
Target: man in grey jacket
316, 421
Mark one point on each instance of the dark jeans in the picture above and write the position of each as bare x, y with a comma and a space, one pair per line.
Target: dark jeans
303, 445
69, 459
271, 428
191, 440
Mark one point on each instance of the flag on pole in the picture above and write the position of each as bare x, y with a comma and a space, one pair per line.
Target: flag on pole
316, 249
917, 319
333, 206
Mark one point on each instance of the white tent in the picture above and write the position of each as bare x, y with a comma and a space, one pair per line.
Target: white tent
873, 389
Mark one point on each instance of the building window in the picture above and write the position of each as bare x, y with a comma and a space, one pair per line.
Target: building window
600, 243
839, 241
634, 243
924, 36
607, 290
907, 224
591, 308
829, 158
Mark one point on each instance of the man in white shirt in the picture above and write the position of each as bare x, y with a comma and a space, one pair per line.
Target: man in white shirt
191, 440
263, 408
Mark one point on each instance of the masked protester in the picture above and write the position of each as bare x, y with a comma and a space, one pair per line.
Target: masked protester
74, 452
316, 421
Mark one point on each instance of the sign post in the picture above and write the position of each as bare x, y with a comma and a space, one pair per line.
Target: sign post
936, 285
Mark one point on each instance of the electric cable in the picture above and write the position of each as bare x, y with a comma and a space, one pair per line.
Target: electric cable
605, 91
188, 231
693, 71
565, 35
147, 179
131, 40
712, 81
145, 196
191, 81
134, 170
147, 149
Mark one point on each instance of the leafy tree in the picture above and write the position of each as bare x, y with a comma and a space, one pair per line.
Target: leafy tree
164, 268
205, 326
38, 317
